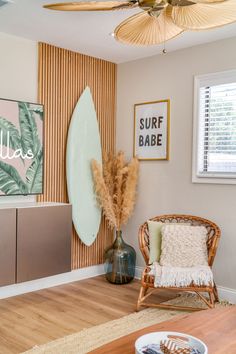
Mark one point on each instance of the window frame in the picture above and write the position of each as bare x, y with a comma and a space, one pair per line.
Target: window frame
212, 79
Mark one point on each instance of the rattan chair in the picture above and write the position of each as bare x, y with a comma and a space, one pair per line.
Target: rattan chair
147, 281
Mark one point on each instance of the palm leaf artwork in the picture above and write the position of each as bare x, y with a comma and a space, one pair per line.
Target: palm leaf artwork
37, 110
34, 174
9, 129
28, 127
10, 180
24, 139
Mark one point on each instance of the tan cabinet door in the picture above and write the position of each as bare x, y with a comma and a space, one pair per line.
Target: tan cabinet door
7, 246
43, 241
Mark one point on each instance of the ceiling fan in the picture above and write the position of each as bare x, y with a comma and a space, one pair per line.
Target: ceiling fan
160, 20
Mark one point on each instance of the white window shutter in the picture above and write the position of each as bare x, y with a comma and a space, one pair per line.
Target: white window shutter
215, 121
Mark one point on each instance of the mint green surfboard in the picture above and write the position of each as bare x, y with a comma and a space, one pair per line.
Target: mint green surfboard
83, 145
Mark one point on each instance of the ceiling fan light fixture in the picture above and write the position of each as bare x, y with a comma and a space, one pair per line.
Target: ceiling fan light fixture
160, 20
92, 5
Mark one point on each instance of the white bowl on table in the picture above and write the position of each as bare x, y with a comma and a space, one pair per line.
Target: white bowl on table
156, 337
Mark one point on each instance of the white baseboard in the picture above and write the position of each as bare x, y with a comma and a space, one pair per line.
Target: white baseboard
224, 293
55, 280
138, 272
227, 294
84, 273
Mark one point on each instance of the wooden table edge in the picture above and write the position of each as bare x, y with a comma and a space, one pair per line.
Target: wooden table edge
205, 325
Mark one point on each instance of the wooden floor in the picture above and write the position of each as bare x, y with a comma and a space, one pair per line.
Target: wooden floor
39, 317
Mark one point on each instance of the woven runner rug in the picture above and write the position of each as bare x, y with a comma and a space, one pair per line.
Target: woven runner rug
89, 339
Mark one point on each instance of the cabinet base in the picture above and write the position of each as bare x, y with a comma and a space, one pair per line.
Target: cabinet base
55, 280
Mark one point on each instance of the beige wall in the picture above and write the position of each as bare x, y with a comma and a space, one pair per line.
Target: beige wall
18, 77
166, 187
18, 68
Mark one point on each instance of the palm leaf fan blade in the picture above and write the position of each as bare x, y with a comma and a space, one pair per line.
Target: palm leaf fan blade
208, 1
144, 29
204, 16
91, 6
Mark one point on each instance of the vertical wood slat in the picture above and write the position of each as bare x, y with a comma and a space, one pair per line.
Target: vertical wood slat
63, 75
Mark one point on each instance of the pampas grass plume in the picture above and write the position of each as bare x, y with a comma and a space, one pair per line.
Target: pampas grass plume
115, 187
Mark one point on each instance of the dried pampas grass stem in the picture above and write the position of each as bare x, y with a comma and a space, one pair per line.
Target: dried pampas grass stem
129, 193
102, 192
115, 186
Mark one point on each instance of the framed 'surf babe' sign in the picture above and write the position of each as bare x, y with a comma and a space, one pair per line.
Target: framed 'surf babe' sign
21, 148
151, 130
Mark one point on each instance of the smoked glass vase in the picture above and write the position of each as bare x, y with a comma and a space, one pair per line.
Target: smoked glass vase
120, 261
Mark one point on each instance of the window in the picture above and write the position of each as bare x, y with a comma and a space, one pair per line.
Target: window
214, 145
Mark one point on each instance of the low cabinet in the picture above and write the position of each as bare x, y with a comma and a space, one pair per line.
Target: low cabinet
7, 246
35, 241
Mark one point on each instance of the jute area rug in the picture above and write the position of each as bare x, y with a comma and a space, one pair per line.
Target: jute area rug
89, 339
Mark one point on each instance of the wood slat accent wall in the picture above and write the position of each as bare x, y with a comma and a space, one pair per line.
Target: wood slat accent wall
63, 75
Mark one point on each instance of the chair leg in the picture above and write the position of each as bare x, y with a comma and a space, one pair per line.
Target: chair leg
142, 293
211, 302
215, 291
212, 299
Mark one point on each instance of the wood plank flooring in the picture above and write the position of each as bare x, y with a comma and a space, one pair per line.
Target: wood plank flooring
42, 316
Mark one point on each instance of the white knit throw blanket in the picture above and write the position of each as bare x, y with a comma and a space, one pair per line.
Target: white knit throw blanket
180, 276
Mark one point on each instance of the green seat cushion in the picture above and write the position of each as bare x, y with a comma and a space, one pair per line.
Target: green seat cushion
155, 237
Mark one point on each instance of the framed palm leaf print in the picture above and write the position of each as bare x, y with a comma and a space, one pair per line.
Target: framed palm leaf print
21, 148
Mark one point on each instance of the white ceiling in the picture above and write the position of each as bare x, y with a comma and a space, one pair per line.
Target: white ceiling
89, 32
